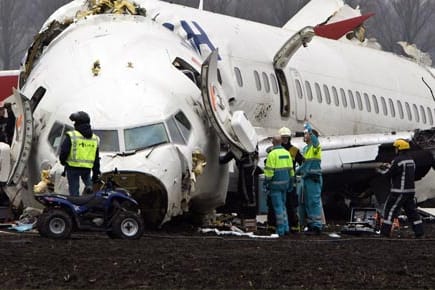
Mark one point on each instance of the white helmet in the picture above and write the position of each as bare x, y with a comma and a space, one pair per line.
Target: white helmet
285, 132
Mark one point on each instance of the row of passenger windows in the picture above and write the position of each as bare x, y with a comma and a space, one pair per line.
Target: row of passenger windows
350, 98
363, 101
259, 81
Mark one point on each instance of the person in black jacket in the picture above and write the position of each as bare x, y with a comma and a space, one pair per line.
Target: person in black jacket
79, 153
402, 193
247, 168
7, 123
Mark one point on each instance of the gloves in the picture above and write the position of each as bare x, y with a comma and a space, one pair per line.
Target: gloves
307, 127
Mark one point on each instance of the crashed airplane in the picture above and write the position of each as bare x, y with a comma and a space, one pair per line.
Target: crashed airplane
166, 86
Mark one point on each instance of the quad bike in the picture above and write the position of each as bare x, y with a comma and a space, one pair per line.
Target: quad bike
111, 210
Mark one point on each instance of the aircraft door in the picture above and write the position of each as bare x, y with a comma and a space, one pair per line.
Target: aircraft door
299, 95
22, 142
232, 128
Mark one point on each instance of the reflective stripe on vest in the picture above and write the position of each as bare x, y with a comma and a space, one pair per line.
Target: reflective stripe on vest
279, 165
83, 151
313, 153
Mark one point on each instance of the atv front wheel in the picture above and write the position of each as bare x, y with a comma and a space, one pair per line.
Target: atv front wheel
55, 224
128, 225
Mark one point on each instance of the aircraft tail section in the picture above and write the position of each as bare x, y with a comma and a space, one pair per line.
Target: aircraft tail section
314, 13
8, 80
338, 29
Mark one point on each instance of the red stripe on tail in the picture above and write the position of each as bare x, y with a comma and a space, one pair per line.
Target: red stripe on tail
7, 82
338, 29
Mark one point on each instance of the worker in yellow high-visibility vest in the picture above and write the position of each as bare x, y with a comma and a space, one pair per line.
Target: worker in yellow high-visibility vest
311, 174
278, 179
79, 153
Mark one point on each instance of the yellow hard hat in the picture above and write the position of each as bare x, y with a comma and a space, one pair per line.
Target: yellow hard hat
285, 132
401, 144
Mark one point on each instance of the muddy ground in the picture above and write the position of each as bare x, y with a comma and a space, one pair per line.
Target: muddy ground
179, 257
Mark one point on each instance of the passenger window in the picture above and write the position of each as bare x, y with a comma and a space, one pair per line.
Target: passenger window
429, 115
375, 104
327, 95
266, 82
318, 92
392, 110
238, 76
384, 106
423, 114
400, 107
257, 80
408, 111
109, 140
359, 100
351, 99
417, 116
183, 124
367, 100
343, 98
274, 85
335, 94
309, 91
298, 88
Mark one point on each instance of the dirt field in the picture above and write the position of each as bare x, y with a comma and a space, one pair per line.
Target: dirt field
178, 257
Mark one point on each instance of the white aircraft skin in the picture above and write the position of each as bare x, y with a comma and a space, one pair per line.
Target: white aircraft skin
137, 84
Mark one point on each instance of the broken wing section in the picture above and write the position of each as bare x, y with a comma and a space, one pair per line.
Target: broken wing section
233, 128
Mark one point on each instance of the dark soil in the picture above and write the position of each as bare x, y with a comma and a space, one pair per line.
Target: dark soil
178, 257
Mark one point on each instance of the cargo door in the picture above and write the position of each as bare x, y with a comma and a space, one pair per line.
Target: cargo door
233, 128
22, 142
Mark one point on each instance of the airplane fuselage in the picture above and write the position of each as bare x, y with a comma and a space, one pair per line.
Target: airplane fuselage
136, 76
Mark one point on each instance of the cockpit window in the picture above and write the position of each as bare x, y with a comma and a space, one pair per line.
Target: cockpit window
184, 124
55, 137
109, 141
174, 132
179, 128
145, 136
188, 70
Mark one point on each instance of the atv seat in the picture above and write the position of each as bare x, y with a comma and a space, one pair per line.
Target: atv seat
80, 200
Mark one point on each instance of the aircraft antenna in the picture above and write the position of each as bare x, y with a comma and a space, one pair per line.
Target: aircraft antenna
201, 5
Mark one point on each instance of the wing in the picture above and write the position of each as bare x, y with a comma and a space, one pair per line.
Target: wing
349, 163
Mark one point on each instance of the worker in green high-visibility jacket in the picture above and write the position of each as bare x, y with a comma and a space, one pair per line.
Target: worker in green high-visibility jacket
79, 154
279, 173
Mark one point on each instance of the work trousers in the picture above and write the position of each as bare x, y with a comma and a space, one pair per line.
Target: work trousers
292, 210
73, 176
278, 198
310, 202
395, 202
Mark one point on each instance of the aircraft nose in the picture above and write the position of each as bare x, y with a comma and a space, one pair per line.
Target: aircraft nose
153, 177
147, 190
